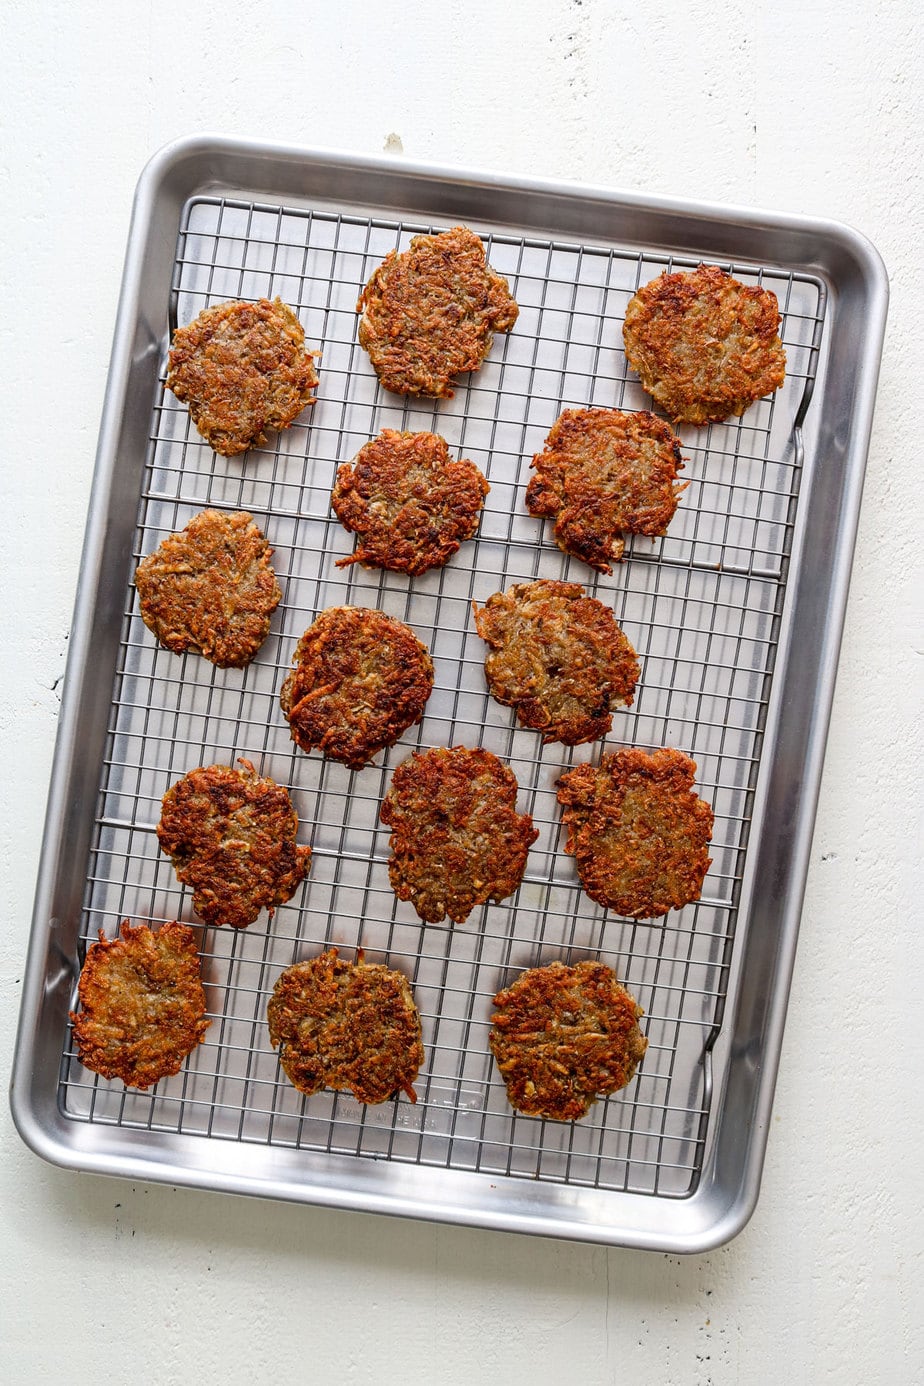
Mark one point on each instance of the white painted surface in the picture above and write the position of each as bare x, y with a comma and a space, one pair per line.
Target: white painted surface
808, 107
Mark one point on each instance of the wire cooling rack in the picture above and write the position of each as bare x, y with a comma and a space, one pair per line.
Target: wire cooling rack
702, 607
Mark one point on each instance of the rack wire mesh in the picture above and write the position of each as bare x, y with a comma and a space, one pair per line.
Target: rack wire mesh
702, 607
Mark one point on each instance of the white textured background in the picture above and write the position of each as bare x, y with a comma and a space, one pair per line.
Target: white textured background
793, 105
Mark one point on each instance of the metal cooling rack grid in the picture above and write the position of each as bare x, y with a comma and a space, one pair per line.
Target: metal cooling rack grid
701, 606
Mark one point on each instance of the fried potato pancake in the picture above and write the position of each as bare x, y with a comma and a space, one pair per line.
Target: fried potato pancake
210, 588
358, 681
431, 312
142, 1004
230, 834
605, 473
242, 368
564, 1036
457, 840
703, 344
638, 833
349, 1026
558, 657
411, 505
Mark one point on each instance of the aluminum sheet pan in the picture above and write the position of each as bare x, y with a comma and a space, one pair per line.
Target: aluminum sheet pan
735, 617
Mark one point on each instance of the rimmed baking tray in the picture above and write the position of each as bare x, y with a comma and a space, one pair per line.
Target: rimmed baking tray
736, 616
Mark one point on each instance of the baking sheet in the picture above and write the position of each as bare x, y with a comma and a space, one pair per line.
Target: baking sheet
704, 608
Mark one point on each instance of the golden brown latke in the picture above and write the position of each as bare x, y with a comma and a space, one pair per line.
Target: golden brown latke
142, 1004
210, 587
358, 681
231, 836
457, 839
351, 1026
704, 345
558, 657
605, 473
430, 313
410, 504
564, 1036
638, 833
242, 368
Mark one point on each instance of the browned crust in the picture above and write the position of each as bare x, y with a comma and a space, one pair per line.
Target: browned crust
142, 1004
411, 505
558, 657
358, 681
431, 312
347, 1026
638, 833
230, 834
564, 1036
210, 588
703, 344
605, 473
242, 368
457, 840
